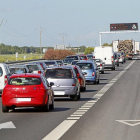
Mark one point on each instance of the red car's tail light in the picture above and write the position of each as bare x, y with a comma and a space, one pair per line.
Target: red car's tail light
93, 74
100, 64
39, 72
5, 79
73, 84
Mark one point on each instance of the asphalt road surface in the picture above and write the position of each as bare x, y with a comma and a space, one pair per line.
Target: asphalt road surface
108, 111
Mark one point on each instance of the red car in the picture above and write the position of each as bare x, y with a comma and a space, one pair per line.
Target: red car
83, 57
80, 77
27, 90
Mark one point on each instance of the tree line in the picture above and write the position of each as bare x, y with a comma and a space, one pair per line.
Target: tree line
8, 49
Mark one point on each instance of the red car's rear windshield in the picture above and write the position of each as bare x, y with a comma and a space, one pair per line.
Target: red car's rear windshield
24, 81
59, 73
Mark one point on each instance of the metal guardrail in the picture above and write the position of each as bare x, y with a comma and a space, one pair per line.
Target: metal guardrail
24, 61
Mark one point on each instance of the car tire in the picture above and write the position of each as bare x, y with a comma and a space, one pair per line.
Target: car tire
85, 88
52, 105
82, 89
98, 81
113, 68
117, 65
74, 97
95, 82
46, 108
102, 72
122, 62
5, 109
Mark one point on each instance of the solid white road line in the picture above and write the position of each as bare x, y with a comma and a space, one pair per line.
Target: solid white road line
60, 130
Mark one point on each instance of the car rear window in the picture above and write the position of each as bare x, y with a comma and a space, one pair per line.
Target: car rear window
59, 73
74, 57
17, 70
24, 81
85, 65
97, 60
1, 72
68, 61
83, 57
49, 63
33, 67
74, 62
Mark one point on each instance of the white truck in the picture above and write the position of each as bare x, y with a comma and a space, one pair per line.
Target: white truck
106, 54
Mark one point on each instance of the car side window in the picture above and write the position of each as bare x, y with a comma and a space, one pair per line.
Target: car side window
7, 70
1, 72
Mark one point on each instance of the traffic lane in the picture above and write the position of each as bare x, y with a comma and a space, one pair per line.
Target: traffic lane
68, 122
29, 122
120, 102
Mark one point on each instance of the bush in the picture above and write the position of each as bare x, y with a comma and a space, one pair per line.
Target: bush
52, 54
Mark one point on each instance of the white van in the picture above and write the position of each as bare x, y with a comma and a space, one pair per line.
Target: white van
106, 54
4, 75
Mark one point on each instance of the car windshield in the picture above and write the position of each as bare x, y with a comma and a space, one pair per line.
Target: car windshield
24, 81
85, 65
59, 73
74, 57
49, 63
33, 67
68, 61
17, 70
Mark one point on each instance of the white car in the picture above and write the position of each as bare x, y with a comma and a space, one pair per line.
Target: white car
4, 75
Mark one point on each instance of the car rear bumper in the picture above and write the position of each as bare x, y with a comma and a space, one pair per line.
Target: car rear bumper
108, 66
64, 91
33, 103
90, 78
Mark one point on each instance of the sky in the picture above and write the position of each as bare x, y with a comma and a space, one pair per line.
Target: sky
79, 20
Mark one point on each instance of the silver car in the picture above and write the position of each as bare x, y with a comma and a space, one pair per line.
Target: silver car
100, 65
65, 81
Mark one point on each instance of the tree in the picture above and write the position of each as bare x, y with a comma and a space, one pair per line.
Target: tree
89, 50
52, 54
106, 44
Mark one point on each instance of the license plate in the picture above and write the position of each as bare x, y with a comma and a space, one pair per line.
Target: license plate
24, 99
59, 92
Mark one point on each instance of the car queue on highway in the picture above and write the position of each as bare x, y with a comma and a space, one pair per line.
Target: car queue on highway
36, 84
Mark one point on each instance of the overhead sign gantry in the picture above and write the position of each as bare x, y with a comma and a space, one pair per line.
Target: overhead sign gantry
120, 28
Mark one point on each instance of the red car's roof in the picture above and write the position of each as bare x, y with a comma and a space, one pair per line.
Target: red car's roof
26, 75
